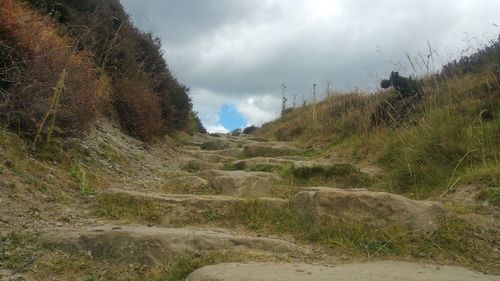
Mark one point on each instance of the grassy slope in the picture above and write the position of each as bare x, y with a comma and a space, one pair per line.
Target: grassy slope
451, 137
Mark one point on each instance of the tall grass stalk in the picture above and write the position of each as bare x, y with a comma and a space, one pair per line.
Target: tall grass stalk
51, 113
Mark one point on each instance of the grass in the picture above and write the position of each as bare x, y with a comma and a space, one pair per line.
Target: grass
453, 241
86, 269
335, 175
123, 207
183, 267
452, 130
17, 249
488, 179
192, 167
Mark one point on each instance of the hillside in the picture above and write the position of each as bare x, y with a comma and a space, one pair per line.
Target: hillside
106, 172
66, 63
425, 143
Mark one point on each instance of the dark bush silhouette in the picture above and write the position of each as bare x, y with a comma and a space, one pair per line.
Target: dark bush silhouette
404, 86
397, 107
250, 130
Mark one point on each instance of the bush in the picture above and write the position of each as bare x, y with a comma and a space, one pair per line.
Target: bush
138, 107
36, 57
122, 50
250, 130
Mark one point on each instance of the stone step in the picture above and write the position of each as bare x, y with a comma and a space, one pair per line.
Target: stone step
133, 244
269, 150
375, 271
366, 208
194, 203
212, 156
241, 183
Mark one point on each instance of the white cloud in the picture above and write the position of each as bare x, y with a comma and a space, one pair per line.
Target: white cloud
240, 52
258, 110
213, 129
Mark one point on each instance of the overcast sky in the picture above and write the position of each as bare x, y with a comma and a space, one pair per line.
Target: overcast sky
234, 55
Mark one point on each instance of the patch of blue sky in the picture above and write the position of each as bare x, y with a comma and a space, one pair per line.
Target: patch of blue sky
231, 118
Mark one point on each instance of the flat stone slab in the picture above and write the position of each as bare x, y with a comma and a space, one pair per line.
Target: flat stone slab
189, 183
376, 271
246, 163
269, 150
195, 202
370, 209
211, 156
242, 184
151, 245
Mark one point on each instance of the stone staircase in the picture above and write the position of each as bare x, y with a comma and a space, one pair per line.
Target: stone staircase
225, 167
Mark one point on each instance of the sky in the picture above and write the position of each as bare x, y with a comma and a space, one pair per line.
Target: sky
235, 55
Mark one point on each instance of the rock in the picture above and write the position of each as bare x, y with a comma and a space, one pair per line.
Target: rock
182, 205
188, 183
211, 174
151, 245
307, 169
268, 150
376, 271
371, 209
256, 161
209, 156
195, 165
244, 184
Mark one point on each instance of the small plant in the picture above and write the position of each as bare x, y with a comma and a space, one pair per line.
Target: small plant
79, 174
212, 215
50, 116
